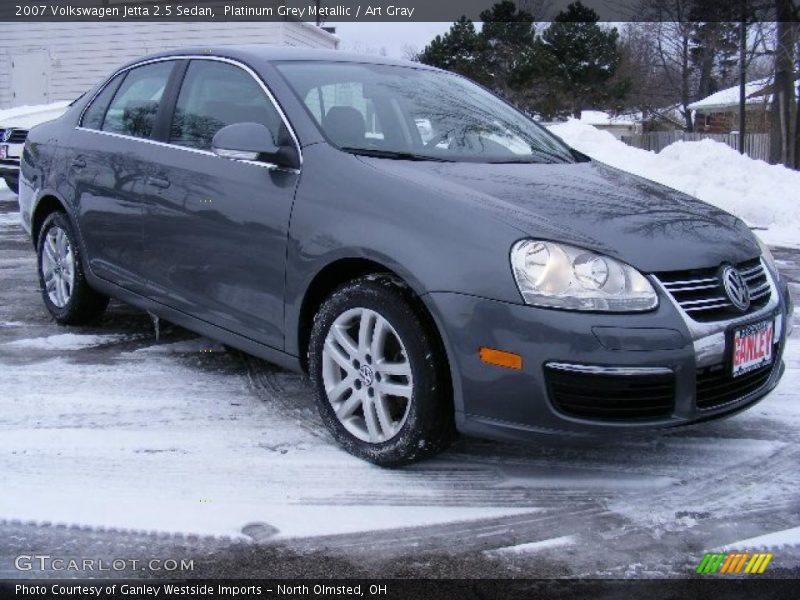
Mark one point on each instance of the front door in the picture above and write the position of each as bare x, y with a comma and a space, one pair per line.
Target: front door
216, 229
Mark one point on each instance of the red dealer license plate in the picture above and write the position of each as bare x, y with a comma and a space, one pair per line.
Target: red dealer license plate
752, 347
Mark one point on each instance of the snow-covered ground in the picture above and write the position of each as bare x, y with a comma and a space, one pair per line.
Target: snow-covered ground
763, 195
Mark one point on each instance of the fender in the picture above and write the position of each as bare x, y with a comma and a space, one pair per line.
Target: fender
73, 221
297, 291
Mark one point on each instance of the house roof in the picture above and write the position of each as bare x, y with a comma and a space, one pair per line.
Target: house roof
729, 98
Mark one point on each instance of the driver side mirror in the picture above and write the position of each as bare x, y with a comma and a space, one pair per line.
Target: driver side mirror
253, 141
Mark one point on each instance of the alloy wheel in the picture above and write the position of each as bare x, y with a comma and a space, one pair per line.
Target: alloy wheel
58, 266
367, 375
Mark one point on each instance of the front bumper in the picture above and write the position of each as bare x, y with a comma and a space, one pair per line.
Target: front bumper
506, 404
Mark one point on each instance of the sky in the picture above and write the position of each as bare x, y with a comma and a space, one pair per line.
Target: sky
372, 38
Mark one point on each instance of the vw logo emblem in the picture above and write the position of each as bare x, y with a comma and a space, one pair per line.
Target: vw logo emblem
367, 374
735, 288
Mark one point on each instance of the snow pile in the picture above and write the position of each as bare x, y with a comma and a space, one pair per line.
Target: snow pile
763, 195
598, 117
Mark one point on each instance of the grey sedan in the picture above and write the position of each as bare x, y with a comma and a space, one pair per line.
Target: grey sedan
431, 257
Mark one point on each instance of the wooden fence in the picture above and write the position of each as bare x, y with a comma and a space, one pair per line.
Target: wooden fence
756, 145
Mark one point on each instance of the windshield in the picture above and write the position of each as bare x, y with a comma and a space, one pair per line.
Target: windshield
417, 114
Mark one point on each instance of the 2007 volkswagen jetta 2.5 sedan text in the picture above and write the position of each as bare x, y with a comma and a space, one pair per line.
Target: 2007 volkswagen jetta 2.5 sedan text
435, 260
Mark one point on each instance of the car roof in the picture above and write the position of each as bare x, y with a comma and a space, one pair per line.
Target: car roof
258, 53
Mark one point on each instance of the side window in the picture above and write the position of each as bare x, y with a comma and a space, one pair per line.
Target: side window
345, 113
135, 105
93, 117
215, 94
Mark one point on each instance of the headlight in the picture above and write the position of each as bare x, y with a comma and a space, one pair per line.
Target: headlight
766, 254
561, 276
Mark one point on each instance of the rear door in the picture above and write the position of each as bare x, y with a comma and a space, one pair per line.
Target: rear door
216, 229
108, 161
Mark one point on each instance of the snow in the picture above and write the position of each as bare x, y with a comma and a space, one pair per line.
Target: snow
10, 219
532, 547
29, 116
730, 96
769, 541
598, 117
763, 195
213, 457
66, 341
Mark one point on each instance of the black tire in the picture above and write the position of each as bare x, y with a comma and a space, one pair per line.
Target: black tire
13, 184
84, 304
429, 425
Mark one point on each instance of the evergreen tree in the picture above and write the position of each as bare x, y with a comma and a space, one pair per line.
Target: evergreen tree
497, 57
579, 59
508, 40
459, 50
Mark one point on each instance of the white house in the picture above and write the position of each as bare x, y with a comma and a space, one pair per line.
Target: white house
44, 62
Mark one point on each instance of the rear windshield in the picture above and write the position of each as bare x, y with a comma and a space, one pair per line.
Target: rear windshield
405, 112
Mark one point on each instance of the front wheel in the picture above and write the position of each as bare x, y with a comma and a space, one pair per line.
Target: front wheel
65, 291
379, 375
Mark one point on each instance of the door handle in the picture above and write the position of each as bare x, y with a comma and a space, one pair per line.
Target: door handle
79, 162
158, 182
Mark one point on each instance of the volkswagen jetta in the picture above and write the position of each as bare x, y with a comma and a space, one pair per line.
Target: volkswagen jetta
434, 259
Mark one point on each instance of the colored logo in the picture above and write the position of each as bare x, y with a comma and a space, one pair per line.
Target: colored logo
734, 563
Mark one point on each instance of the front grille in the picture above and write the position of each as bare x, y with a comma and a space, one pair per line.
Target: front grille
611, 397
13, 136
716, 386
700, 293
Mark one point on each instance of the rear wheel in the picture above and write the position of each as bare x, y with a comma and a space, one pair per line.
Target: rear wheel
379, 377
65, 291
12, 183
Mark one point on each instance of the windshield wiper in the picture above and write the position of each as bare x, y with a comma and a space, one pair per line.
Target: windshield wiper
392, 154
552, 156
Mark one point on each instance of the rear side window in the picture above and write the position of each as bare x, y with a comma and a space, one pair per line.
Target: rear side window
93, 117
215, 94
135, 105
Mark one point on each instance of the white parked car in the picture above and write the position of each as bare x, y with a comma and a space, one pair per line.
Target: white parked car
14, 126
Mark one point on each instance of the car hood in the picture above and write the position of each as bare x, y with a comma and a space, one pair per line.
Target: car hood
591, 205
